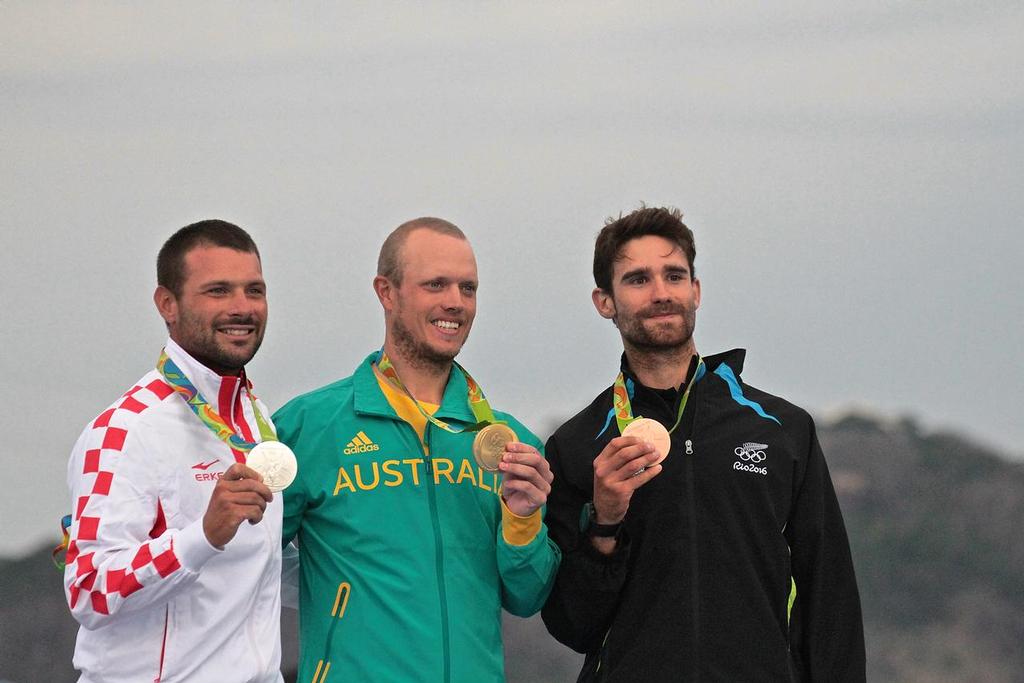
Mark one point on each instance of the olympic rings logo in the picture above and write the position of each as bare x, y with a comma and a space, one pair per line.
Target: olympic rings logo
751, 452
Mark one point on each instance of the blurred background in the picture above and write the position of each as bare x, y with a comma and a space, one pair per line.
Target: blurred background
851, 172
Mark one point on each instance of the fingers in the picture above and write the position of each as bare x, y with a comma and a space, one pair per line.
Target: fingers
625, 458
239, 478
523, 461
624, 465
526, 480
240, 495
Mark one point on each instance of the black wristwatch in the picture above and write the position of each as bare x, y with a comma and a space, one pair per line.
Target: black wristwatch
589, 525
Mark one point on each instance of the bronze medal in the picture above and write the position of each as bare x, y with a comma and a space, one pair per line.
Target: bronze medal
652, 431
489, 445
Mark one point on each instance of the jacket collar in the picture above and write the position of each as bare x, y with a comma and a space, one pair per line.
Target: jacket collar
220, 392
733, 358
370, 400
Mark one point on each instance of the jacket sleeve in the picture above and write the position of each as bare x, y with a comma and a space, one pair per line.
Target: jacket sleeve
527, 571
825, 623
582, 603
121, 556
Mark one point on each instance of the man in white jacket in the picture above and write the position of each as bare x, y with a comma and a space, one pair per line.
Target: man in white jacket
167, 582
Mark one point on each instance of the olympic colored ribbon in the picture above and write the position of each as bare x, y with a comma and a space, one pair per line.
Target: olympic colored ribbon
205, 412
65, 524
475, 396
624, 410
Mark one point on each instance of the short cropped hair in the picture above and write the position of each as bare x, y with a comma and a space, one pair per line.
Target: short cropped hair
659, 221
170, 262
389, 262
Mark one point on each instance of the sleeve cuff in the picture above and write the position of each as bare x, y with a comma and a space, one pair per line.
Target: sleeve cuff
518, 530
192, 547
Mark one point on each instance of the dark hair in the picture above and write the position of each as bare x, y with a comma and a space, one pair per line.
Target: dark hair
389, 261
660, 221
170, 262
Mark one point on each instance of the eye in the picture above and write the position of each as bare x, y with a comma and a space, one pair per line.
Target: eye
637, 280
676, 277
257, 291
435, 285
468, 289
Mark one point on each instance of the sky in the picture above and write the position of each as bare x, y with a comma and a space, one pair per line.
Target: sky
852, 173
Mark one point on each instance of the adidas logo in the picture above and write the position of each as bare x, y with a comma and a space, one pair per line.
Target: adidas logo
360, 443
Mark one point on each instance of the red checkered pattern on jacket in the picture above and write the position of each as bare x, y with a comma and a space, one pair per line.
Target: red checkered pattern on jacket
99, 470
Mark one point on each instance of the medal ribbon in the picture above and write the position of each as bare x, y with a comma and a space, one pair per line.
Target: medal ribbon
475, 396
205, 412
624, 410
65, 524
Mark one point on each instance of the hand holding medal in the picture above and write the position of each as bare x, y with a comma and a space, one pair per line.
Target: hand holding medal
633, 459
526, 478
243, 491
238, 496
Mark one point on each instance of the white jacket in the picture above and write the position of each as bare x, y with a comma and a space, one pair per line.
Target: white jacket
156, 602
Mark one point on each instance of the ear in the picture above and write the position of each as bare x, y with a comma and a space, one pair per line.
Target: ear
696, 297
166, 304
604, 303
385, 291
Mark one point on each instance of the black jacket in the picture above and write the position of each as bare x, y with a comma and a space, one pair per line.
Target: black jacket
699, 586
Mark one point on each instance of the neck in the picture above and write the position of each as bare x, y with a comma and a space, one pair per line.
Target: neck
208, 363
661, 368
424, 380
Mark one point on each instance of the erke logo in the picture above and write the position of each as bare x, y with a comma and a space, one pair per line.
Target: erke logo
360, 443
751, 455
203, 475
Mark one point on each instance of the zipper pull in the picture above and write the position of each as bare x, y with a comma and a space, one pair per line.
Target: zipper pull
689, 447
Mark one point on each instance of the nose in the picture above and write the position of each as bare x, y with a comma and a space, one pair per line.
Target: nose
453, 298
239, 303
659, 291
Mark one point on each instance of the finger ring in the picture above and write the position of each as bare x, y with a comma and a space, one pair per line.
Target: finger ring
638, 472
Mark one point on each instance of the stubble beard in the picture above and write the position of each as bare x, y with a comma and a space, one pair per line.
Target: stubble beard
200, 341
418, 354
664, 340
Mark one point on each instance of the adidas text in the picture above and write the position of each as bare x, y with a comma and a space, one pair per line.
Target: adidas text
366, 448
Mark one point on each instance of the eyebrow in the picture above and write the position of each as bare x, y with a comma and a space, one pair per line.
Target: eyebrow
647, 271
636, 271
232, 283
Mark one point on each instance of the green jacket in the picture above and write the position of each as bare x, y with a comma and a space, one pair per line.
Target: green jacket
403, 566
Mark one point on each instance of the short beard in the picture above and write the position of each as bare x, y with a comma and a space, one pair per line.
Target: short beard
640, 338
202, 345
418, 354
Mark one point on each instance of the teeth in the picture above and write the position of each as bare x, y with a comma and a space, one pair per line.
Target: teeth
234, 331
447, 324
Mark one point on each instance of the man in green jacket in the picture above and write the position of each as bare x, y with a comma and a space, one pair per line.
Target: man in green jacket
417, 508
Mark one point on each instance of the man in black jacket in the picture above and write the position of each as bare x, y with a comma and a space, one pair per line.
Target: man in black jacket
709, 545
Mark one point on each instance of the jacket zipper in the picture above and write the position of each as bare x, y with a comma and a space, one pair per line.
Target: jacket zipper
694, 565
163, 644
438, 554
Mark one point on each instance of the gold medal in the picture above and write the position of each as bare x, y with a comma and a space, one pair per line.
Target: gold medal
489, 445
652, 431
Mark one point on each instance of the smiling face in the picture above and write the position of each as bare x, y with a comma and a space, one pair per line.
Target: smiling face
220, 315
654, 297
428, 316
